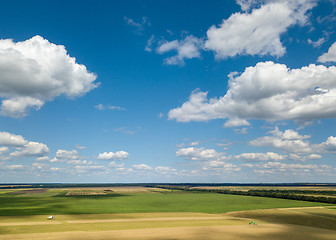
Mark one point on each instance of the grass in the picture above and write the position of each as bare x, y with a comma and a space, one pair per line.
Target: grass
57, 202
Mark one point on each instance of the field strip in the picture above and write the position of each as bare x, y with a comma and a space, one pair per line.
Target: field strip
150, 219
29, 223
284, 209
233, 232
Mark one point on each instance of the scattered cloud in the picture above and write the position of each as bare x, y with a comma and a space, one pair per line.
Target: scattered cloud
31, 149
124, 130
23, 148
276, 167
12, 140
235, 122
187, 48
120, 155
66, 156
269, 156
102, 107
199, 154
149, 44
258, 32
138, 27
142, 167
330, 56
240, 130
292, 142
267, 91
35, 71
289, 141
317, 43
80, 147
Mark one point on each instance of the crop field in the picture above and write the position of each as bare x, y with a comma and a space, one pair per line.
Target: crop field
153, 213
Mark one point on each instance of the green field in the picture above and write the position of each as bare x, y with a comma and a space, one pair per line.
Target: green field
52, 202
152, 213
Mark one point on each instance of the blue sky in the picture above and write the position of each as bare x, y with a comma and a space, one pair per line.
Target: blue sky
167, 91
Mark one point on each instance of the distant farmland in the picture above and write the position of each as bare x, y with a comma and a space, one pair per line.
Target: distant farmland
138, 212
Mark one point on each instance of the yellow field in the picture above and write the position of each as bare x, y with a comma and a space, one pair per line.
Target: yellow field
290, 223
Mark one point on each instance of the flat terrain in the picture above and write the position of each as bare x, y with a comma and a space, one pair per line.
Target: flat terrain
150, 213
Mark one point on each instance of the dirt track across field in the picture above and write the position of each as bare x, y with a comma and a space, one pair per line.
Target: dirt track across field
265, 231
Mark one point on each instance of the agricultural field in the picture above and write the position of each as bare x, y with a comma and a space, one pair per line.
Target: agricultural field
154, 213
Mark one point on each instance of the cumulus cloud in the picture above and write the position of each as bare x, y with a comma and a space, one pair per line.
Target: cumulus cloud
235, 122
292, 142
269, 156
330, 56
9, 139
35, 71
267, 91
142, 167
23, 148
193, 153
187, 48
297, 157
66, 156
276, 167
120, 155
258, 32
289, 141
31, 149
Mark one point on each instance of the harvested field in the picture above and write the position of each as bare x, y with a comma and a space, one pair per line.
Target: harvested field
31, 191
164, 226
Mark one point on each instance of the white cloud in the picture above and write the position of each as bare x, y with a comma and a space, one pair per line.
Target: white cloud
149, 44
43, 159
246, 5
23, 148
35, 71
240, 130
110, 107
100, 107
257, 32
297, 157
120, 155
138, 26
187, 48
327, 146
31, 149
124, 130
196, 154
289, 141
142, 167
330, 56
161, 115
317, 43
235, 122
269, 156
80, 147
8, 139
268, 91
4, 150
13, 167
292, 142
87, 169
66, 156
274, 167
